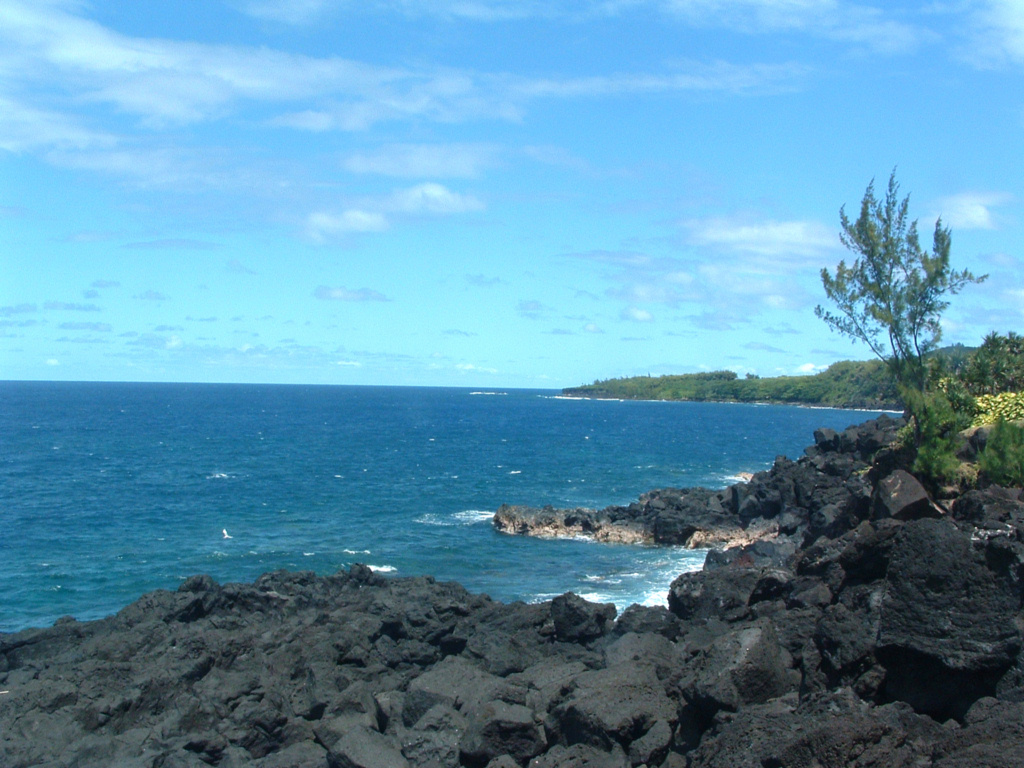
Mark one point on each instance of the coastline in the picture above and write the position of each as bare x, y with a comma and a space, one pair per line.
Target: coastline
874, 628
888, 409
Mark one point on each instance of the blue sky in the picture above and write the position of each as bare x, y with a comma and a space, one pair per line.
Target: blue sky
485, 193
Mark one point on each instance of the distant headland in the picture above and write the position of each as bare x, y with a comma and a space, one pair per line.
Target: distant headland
848, 384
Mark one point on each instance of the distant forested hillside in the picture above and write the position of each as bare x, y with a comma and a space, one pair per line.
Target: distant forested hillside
847, 384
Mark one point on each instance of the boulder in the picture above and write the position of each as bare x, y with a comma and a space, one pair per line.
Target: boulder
833, 730
578, 620
362, 748
947, 627
743, 666
613, 706
581, 756
496, 729
901, 496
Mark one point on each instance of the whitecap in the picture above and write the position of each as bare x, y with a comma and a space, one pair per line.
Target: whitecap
431, 519
471, 516
597, 597
218, 476
308, 554
516, 472
356, 551
382, 568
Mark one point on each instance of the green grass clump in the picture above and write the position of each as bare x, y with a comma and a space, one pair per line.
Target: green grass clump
1002, 461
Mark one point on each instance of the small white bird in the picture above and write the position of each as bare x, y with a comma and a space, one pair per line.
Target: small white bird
225, 532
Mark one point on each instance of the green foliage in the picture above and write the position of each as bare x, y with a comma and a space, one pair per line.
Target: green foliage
844, 385
893, 295
937, 427
960, 398
1002, 461
989, 409
996, 366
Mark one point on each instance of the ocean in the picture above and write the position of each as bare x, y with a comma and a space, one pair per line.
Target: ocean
111, 490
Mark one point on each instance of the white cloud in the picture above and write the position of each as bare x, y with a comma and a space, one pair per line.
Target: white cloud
810, 368
372, 216
321, 225
325, 293
432, 198
637, 315
171, 82
469, 367
286, 11
465, 161
805, 241
971, 210
830, 19
718, 76
998, 33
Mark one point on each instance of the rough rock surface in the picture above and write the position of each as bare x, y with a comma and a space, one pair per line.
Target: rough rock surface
823, 493
873, 629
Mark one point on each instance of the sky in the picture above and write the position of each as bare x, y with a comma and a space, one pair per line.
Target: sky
484, 193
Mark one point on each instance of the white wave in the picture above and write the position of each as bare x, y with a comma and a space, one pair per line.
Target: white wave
308, 554
356, 551
598, 597
382, 568
466, 517
488, 393
470, 516
218, 476
516, 472
598, 579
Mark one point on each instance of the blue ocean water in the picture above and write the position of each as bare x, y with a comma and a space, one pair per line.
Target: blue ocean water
111, 490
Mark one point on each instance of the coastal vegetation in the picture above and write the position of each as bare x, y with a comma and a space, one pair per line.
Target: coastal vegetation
894, 293
847, 384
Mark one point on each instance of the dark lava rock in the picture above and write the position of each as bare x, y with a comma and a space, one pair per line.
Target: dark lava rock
900, 495
947, 631
577, 620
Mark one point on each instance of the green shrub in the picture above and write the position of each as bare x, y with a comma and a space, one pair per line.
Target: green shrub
1008, 406
960, 398
937, 427
997, 366
1002, 461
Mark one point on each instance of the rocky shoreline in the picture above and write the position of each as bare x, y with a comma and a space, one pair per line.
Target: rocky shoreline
863, 624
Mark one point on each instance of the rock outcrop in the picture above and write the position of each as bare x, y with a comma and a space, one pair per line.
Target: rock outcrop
875, 628
822, 493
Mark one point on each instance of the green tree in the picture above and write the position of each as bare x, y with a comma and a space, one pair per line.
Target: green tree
894, 293
997, 366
